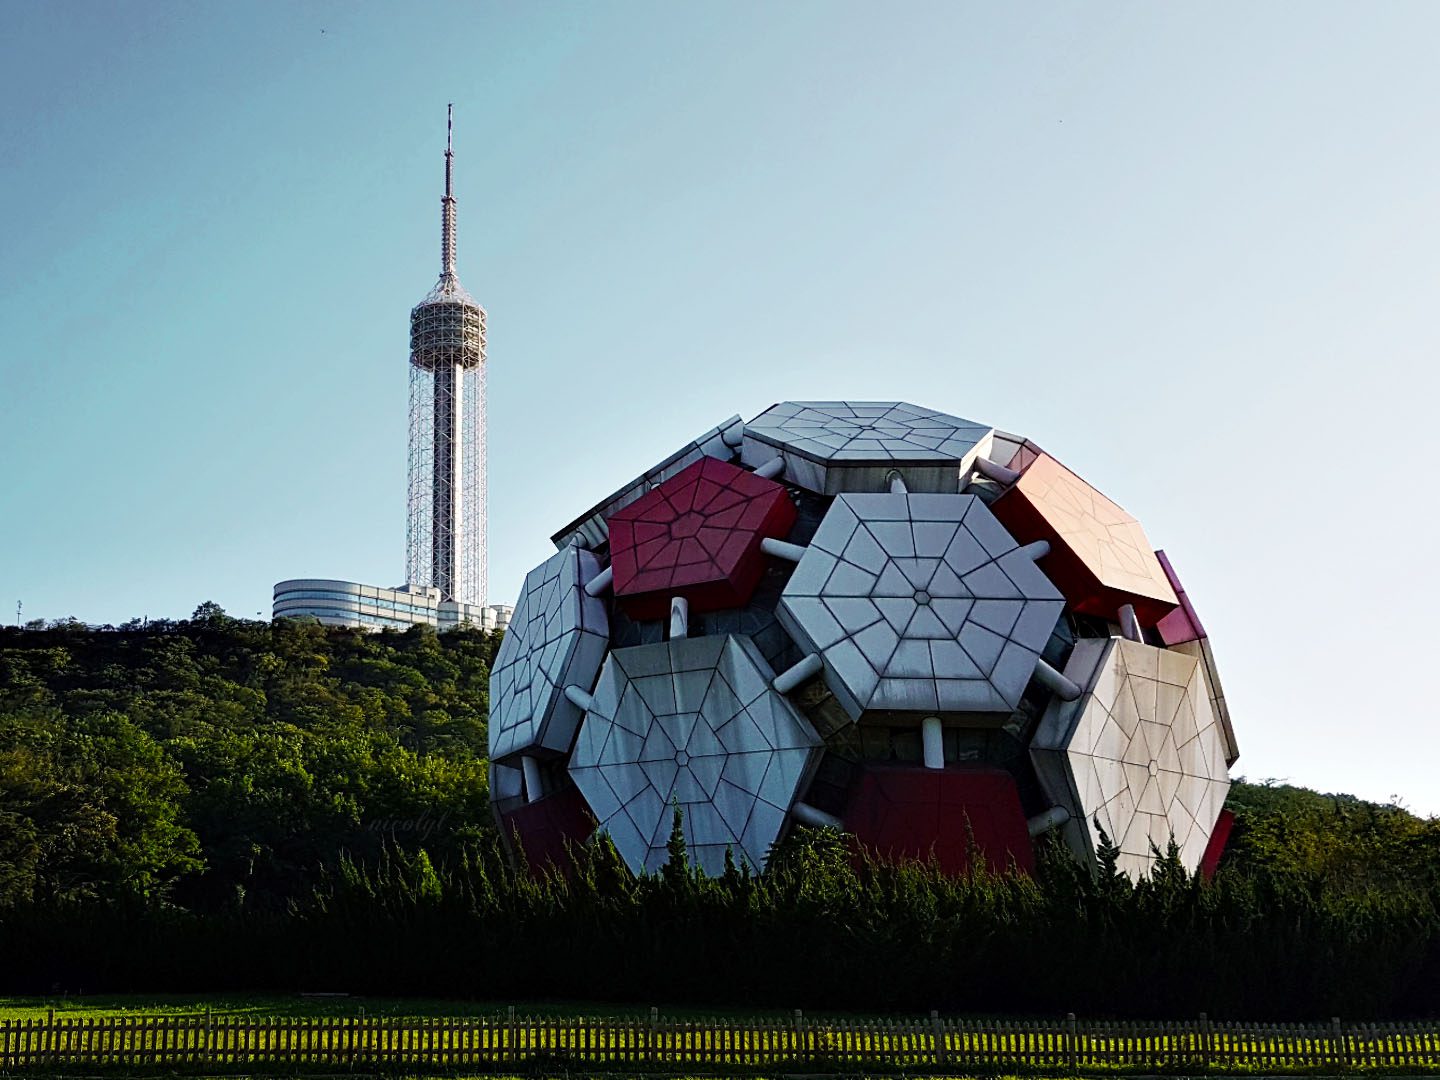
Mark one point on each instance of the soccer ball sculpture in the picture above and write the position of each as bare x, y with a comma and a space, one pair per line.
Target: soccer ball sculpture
865, 615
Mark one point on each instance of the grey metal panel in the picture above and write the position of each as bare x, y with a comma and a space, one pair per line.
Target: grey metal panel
831, 447
557, 637
901, 631
702, 730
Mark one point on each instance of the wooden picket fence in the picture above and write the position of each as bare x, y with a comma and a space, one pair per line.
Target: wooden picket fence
509, 1042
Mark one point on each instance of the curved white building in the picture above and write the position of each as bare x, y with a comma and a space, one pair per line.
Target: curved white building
369, 607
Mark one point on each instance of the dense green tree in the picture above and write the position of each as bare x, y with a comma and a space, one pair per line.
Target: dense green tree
90, 807
215, 803
218, 762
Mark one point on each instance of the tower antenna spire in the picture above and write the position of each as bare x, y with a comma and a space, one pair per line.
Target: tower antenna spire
447, 203
445, 526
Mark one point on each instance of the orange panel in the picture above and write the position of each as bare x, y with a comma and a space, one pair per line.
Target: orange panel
1100, 557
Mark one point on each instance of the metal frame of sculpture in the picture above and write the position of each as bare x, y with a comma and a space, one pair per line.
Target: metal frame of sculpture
978, 648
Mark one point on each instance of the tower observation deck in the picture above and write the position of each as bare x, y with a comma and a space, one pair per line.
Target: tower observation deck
445, 522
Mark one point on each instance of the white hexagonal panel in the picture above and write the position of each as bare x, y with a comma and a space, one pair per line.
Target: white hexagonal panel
1140, 754
834, 446
692, 723
920, 603
557, 637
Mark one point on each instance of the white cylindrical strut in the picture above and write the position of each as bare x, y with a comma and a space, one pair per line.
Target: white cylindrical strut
1130, 623
792, 677
733, 437
993, 471
679, 617
772, 468
897, 483
1047, 820
1055, 682
1036, 550
782, 549
579, 698
932, 735
531, 768
600, 582
819, 819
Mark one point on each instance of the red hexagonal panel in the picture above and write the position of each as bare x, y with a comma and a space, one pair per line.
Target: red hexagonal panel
910, 812
1099, 555
545, 828
697, 535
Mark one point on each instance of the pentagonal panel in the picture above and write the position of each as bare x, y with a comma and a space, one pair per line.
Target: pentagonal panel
546, 831
692, 723
697, 535
920, 604
557, 638
835, 446
1139, 754
1099, 555
919, 813
590, 530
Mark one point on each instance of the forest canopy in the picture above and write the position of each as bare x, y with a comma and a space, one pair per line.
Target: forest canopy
216, 762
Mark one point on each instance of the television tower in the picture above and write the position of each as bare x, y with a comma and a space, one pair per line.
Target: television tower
445, 523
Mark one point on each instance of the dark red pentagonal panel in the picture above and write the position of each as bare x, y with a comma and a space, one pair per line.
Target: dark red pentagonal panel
912, 812
697, 535
543, 829
1219, 836
1099, 555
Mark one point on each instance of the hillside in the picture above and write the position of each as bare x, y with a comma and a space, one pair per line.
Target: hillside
218, 762
218, 804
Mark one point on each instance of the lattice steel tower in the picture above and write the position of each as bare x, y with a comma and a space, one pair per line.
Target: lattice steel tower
445, 525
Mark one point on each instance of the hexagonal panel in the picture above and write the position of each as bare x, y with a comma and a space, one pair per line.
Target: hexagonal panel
1182, 630
920, 604
1202, 652
697, 535
1140, 751
1099, 555
557, 637
692, 722
914, 813
835, 446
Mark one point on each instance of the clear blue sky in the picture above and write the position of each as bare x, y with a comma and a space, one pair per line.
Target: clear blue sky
1194, 250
